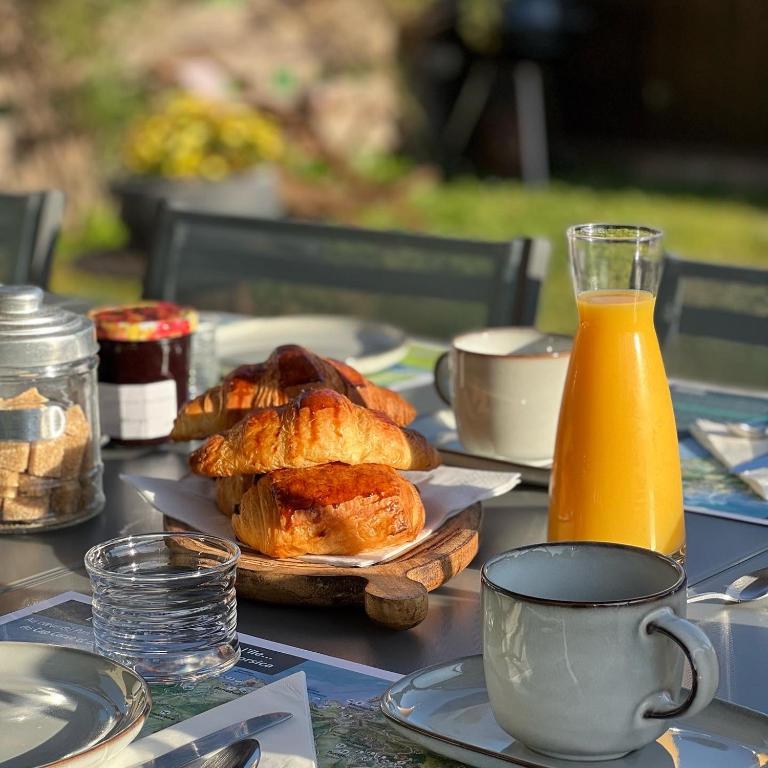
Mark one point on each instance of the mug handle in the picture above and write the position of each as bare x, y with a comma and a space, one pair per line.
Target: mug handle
439, 375
700, 654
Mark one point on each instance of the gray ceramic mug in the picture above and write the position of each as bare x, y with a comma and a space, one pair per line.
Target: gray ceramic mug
583, 647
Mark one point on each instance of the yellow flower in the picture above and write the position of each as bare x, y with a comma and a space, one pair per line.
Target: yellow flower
193, 136
234, 133
214, 167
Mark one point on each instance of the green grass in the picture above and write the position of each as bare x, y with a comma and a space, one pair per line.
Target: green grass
705, 229
101, 230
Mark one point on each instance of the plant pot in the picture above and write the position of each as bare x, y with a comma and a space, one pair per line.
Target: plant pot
253, 193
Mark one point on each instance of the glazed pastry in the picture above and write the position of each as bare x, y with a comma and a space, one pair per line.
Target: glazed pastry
288, 371
332, 509
318, 427
229, 491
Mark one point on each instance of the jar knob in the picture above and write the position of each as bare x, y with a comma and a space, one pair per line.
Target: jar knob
20, 299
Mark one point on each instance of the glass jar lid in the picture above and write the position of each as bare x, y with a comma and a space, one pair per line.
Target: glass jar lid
36, 335
144, 321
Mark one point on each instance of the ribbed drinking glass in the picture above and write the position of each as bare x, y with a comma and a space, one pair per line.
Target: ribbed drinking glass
164, 604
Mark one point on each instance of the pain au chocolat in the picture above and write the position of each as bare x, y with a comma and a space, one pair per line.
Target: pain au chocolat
289, 370
330, 509
229, 491
317, 427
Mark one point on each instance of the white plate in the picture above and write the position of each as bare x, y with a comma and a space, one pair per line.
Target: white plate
65, 707
445, 709
364, 344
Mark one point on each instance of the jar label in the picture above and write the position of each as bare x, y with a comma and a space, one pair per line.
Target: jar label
138, 411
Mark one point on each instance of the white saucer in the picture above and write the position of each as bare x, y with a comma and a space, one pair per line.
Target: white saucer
445, 709
66, 707
364, 344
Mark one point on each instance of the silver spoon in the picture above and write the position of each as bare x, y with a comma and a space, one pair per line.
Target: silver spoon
745, 429
745, 589
244, 753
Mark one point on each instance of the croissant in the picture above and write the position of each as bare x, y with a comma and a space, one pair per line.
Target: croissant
289, 370
229, 491
317, 427
332, 509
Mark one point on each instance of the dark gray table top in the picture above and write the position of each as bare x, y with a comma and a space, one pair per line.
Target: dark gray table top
39, 566
738, 633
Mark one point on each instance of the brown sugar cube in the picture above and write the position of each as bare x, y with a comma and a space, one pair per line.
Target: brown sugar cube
14, 457
76, 423
30, 398
25, 508
45, 457
75, 442
65, 500
29, 485
9, 484
73, 455
8, 479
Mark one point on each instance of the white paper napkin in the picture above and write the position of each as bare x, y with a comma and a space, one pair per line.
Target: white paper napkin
744, 457
445, 491
289, 744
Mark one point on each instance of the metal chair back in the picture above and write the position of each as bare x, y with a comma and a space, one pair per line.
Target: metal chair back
435, 286
712, 321
29, 228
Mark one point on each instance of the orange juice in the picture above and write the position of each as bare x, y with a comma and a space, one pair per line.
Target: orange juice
616, 475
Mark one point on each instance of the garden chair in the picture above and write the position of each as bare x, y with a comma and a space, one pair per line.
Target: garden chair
434, 286
712, 322
29, 227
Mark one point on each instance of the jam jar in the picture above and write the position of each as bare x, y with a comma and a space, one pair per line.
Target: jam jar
50, 459
144, 362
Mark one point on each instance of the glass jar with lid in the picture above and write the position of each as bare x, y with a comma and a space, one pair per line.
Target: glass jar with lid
144, 368
50, 460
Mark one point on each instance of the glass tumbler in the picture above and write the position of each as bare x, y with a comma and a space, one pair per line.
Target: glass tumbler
204, 370
164, 604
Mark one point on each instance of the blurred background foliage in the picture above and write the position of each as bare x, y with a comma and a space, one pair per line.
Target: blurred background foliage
364, 94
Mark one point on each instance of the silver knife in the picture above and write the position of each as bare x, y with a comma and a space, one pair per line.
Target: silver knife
179, 757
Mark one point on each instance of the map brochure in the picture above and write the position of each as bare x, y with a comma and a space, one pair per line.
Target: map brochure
708, 487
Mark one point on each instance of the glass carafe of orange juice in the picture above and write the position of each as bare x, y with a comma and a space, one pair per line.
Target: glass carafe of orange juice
616, 472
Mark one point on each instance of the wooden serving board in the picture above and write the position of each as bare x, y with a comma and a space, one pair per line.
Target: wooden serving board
393, 593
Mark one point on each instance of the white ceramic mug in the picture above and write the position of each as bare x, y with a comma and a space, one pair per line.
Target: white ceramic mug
506, 385
583, 647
